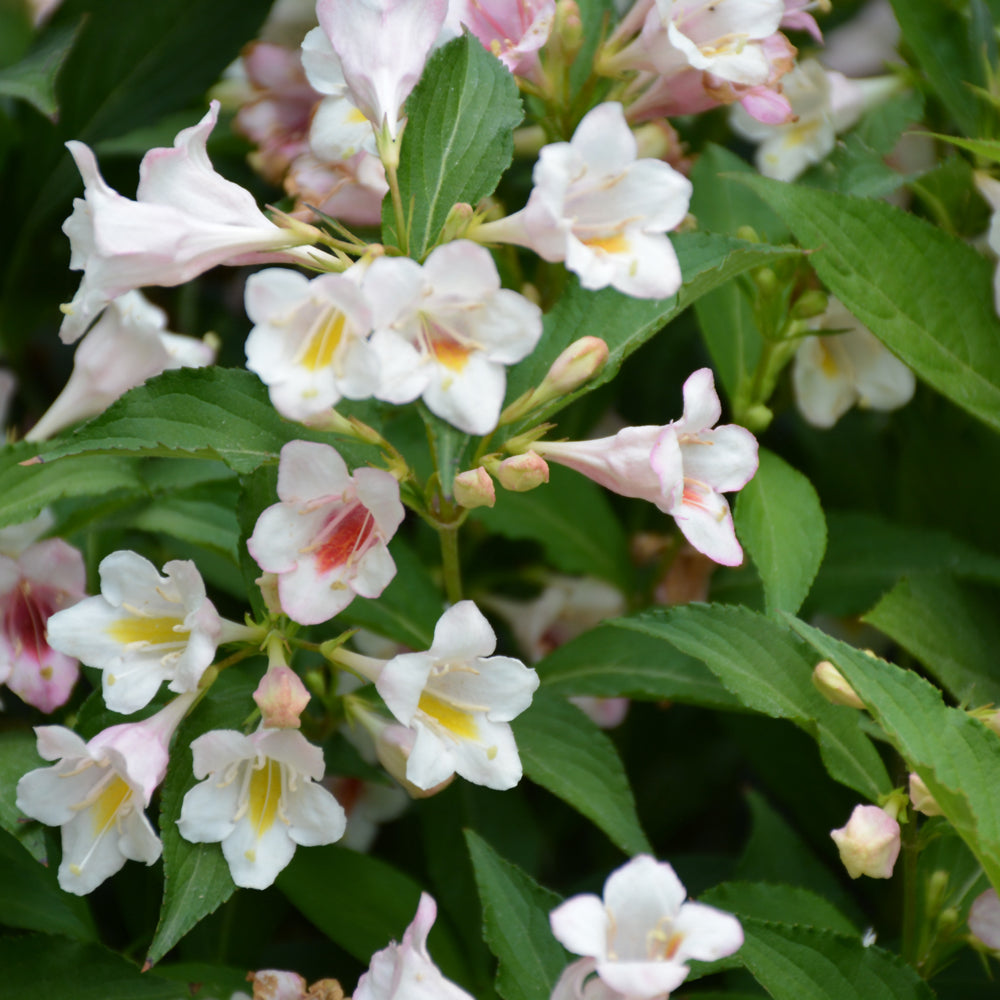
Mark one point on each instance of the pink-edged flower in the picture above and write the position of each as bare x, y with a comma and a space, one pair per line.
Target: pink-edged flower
406, 971
683, 467
127, 345
381, 46
37, 579
327, 539
446, 330
277, 115
723, 39
459, 699
834, 372
261, 798
604, 212
350, 190
309, 344
144, 629
513, 30
185, 219
984, 919
869, 843
97, 793
797, 16
824, 104
642, 933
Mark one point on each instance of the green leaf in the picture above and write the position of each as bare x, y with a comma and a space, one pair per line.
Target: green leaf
361, 903
957, 757
196, 879
784, 904
779, 519
950, 628
707, 261
450, 448
26, 489
209, 522
866, 555
33, 79
30, 896
986, 149
858, 164
458, 141
215, 413
930, 301
565, 752
133, 64
808, 963
516, 925
937, 37
776, 852
573, 521
770, 672
18, 756
40, 965
408, 609
612, 661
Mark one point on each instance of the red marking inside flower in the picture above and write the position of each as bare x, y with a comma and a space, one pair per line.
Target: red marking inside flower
25, 616
347, 533
693, 496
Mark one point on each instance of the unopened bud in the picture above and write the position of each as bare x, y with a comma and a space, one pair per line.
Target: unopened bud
749, 234
521, 473
830, 682
766, 280
657, 141
869, 843
810, 304
984, 919
474, 488
936, 891
948, 920
921, 797
568, 27
579, 363
993, 721
281, 697
457, 222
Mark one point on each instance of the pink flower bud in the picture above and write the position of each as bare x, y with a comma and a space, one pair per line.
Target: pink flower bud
576, 365
474, 488
281, 697
522, 472
984, 919
831, 684
869, 843
921, 797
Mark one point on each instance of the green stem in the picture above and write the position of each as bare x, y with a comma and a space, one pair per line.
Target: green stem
910, 857
449, 562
